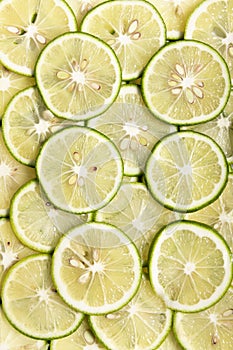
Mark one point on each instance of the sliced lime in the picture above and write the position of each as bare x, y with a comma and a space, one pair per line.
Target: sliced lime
11, 249
78, 76
186, 82
31, 302
132, 128
12, 176
82, 338
142, 324
133, 28
96, 268
27, 27
80, 169
170, 343
27, 123
186, 171
136, 213
10, 84
36, 222
209, 329
190, 266
212, 22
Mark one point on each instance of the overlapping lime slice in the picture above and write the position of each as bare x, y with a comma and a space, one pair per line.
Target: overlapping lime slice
186, 171
36, 222
190, 266
212, 22
79, 169
78, 76
208, 329
96, 268
186, 82
133, 28
132, 128
27, 27
12, 176
142, 324
27, 123
31, 302
10, 84
170, 343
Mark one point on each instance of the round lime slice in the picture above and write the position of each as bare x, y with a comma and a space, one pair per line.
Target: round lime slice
190, 266
133, 28
78, 76
96, 268
80, 169
142, 324
186, 171
186, 82
31, 302
27, 27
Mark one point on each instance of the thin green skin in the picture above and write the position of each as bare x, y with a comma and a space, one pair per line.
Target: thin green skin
153, 245
190, 209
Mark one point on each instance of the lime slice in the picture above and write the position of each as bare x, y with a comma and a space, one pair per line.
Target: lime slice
11, 339
209, 329
78, 76
82, 338
175, 15
10, 84
132, 128
27, 27
133, 28
186, 82
220, 128
219, 214
31, 302
212, 22
27, 123
190, 266
135, 212
36, 222
12, 176
186, 171
96, 268
142, 324
170, 343
81, 7
11, 249
79, 169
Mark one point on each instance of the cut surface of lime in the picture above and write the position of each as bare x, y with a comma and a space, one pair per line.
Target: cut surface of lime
12, 176
186, 82
170, 343
11, 339
81, 7
27, 27
27, 123
220, 128
212, 22
135, 212
219, 214
208, 329
79, 169
134, 29
175, 14
11, 249
78, 76
96, 268
142, 324
82, 338
132, 128
186, 171
10, 84
190, 266
31, 302
36, 222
